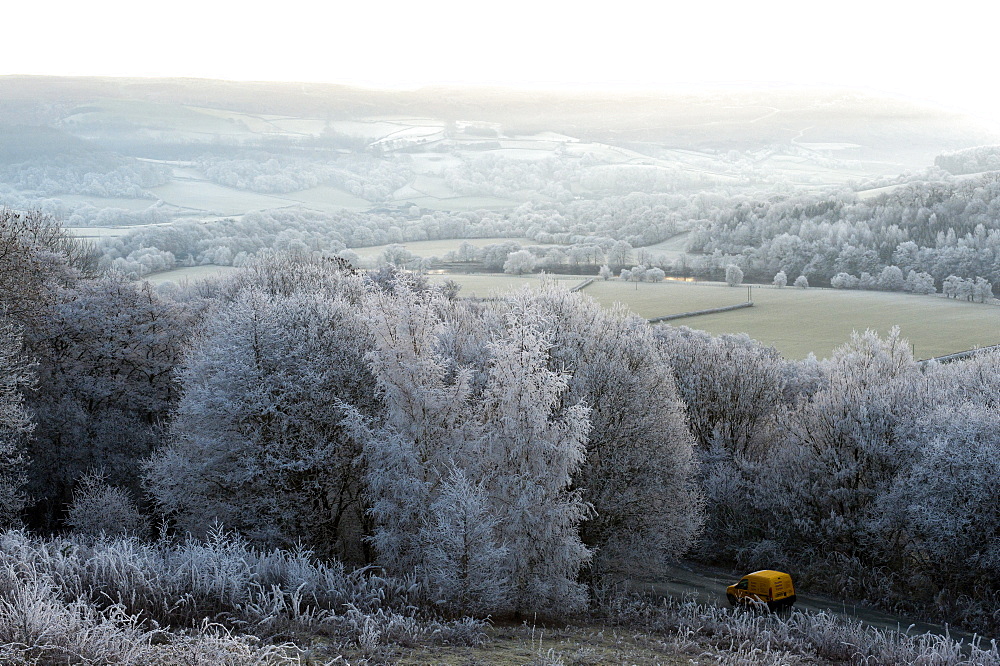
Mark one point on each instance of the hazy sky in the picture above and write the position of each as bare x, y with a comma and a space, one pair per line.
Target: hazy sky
944, 53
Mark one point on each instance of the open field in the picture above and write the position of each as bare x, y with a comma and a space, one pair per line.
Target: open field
800, 321
189, 274
463, 203
795, 321
673, 247
108, 232
105, 202
438, 248
491, 284
203, 196
328, 198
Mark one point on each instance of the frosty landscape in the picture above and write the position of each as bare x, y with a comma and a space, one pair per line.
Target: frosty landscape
312, 374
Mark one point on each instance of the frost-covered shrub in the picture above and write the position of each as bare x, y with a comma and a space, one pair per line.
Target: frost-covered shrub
734, 275
844, 281
802, 282
101, 509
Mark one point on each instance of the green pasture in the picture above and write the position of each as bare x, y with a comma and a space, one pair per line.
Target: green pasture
800, 321
161, 116
795, 321
492, 284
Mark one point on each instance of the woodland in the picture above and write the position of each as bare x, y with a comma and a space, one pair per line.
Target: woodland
502, 458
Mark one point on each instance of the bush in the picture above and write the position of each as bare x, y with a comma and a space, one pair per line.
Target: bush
100, 509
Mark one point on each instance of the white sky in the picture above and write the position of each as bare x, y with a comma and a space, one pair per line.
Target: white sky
945, 53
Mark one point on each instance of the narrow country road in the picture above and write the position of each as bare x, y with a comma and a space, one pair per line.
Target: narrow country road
709, 585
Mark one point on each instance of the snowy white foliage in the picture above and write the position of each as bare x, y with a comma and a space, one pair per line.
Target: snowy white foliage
501, 426
257, 440
780, 279
101, 509
462, 554
123, 600
850, 440
640, 472
15, 422
519, 262
734, 275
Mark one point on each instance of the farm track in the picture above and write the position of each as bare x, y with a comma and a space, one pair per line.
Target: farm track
708, 585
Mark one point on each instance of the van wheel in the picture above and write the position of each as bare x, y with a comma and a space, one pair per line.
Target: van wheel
731, 598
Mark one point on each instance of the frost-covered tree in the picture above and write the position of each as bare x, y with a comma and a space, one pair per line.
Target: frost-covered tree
802, 282
106, 361
733, 388
891, 279
15, 423
940, 518
37, 258
257, 441
519, 262
919, 283
655, 274
463, 558
605, 273
640, 469
780, 279
950, 286
531, 449
847, 444
734, 275
982, 290
501, 424
844, 281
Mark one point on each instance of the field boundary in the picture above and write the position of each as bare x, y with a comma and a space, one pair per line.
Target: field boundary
695, 313
583, 285
957, 356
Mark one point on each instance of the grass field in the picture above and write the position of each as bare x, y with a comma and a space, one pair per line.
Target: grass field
491, 284
438, 248
189, 274
104, 202
328, 198
672, 247
464, 203
203, 196
108, 232
795, 321
799, 321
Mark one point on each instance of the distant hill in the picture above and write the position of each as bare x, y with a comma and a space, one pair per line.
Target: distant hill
888, 129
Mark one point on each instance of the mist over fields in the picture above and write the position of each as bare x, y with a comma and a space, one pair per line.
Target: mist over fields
281, 380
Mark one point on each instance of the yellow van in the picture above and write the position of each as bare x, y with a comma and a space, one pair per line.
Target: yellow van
773, 588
